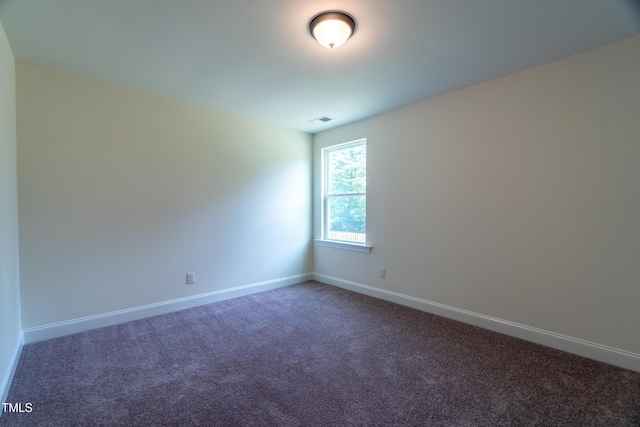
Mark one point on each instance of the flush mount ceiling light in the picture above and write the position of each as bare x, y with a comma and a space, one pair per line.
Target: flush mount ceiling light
332, 29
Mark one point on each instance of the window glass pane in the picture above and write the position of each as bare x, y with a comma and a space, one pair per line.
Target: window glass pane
347, 218
347, 170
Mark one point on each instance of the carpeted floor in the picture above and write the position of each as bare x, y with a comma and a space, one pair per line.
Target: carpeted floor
313, 355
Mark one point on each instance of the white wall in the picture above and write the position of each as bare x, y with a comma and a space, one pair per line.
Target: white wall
10, 327
122, 193
518, 198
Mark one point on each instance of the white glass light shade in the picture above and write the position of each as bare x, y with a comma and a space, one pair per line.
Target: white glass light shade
332, 29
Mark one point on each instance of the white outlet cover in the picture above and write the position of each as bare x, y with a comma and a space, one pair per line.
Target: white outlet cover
191, 278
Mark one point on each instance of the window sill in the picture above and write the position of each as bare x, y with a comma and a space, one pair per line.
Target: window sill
357, 247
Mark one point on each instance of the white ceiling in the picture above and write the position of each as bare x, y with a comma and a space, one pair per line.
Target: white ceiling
255, 58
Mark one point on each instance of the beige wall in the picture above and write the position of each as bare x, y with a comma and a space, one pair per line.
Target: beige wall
122, 193
518, 198
10, 327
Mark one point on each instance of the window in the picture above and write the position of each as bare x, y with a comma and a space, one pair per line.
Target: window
344, 200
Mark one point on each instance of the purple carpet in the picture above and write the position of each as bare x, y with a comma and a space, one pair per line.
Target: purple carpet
313, 355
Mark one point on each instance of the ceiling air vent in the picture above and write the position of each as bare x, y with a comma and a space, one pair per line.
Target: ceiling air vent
320, 120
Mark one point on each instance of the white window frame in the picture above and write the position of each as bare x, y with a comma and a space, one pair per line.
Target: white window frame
325, 240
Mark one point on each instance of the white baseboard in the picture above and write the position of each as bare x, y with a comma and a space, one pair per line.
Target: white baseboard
7, 376
602, 353
73, 326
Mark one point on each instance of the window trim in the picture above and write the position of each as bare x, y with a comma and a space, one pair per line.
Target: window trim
339, 244
324, 240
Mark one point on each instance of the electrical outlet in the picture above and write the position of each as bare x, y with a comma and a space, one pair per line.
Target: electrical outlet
382, 272
191, 278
